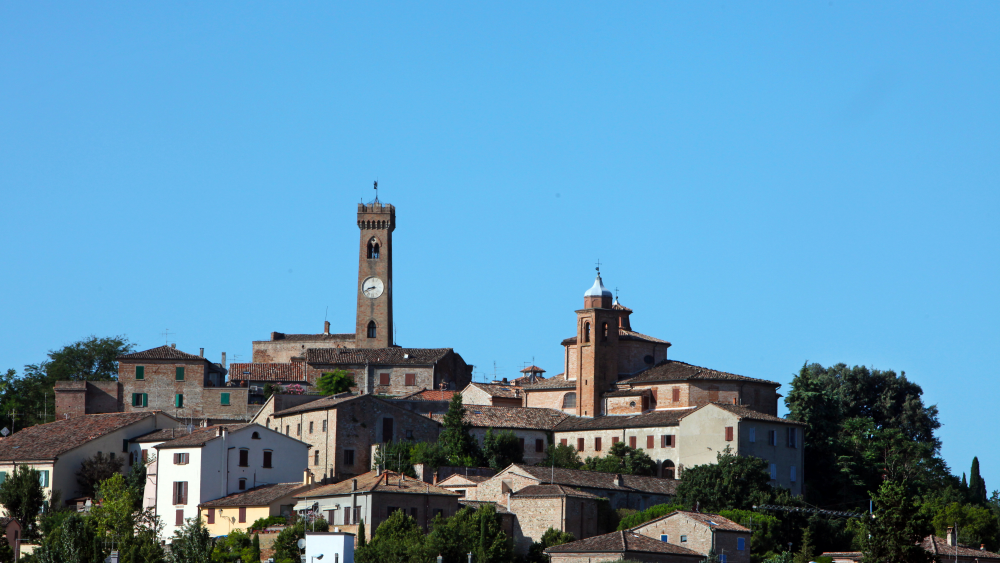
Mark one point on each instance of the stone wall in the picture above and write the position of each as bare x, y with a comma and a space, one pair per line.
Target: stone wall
534, 516
699, 537
282, 351
530, 439
549, 399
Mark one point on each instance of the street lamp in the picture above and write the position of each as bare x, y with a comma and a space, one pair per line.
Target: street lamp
316, 557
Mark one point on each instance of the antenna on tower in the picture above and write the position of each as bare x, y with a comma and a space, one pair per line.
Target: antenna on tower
326, 314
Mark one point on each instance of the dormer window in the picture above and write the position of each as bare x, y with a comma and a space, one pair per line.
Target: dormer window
373, 249
372, 329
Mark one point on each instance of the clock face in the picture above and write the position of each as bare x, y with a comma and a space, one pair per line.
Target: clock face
372, 287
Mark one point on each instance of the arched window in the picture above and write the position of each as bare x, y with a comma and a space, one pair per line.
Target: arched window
373, 249
604, 332
372, 329
586, 332
668, 469
569, 400
255, 436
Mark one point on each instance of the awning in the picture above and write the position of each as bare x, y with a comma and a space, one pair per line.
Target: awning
327, 504
304, 505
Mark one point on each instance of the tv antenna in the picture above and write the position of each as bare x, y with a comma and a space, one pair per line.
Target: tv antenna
166, 337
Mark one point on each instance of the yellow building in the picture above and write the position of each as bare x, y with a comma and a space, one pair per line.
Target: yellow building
239, 510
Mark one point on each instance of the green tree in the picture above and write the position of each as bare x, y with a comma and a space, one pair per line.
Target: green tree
806, 552
362, 538
893, 534
622, 458
191, 544
977, 486
733, 482
91, 359
135, 479
456, 437
22, 497
561, 455
650, 513
394, 456
254, 549
334, 382
237, 546
95, 469
74, 541
501, 449
766, 540
115, 515
431, 454
261, 523
976, 524
397, 539
551, 538
286, 549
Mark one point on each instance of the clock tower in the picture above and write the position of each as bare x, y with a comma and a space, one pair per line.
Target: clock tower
373, 328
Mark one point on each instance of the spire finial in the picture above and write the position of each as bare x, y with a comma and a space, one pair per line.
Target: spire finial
598, 268
376, 190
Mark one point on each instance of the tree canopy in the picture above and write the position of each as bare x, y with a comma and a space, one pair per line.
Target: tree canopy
622, 458
334, 382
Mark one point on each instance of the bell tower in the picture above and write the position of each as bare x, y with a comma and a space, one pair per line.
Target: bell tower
597, 346
376, 222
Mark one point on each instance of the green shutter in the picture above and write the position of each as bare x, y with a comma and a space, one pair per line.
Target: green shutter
225, 398
145, 400
136, 399
140, 372
3, 476
180, 374
179, 400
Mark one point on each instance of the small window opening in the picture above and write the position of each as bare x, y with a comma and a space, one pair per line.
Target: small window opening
373, 249
586, 332
372, 329
604, 332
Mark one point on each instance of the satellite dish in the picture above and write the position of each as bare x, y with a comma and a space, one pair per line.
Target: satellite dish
5, 431
302, 544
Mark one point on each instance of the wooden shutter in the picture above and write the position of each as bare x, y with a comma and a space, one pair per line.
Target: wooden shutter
145, 400
663, 441
614, 440
411, 379
384, 379
179, 376
729, 433
177, 460
179, 518
649, 442
563, 441
210, 516
579, 444
145, 456
631, 441
140, 372
243, 515
225, 399
676, 395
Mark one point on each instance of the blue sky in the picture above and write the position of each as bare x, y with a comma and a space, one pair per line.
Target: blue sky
764, 184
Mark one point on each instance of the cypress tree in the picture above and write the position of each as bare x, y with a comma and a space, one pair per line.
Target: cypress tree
362, 541
977, 486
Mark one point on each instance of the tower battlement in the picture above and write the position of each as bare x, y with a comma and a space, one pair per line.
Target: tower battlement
376, 215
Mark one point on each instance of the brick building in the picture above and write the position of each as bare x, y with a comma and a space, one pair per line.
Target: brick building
624, 544
533, 427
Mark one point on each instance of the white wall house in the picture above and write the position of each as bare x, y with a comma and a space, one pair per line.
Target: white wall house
217, 461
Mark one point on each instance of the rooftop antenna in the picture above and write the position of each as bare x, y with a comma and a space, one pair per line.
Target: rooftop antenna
166, 337
326, 314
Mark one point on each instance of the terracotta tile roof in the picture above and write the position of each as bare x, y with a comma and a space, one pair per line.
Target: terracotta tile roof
200, 436
597, 480
747, 413
310, 337
713, 521
939, 546
259, 496
550, 384
430, 395
528, 380
164, 435
5, 520
672, 370
291, 371
546, 491
388, 482
161, 353
48, 441
319, 404
526, 418
569, 341
532, 368
480, 503
623, 541
633, 335
378, 356
502, 390
647, 420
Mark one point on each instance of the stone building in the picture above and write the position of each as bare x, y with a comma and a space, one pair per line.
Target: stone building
533, 427
701, 532
619, 545
494, 394
341, 429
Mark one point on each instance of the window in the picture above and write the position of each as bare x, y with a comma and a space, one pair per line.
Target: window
244, 457
243, 515
439, 512
179, 518
772, 437
384, 379
632, 404
310, 427
614, 440
729, 433
224, 399
255, 436
387, 433
410, 379
579, 444
668, 469
650, 442
664, 538
298, 429
243, 484
741, 544
348, 457
586, 332
287, 428
43, 478
793, 438
667, 441
267, 458
347, 515
179, 400
409, 434
316, 457
597, 444
631, 441
563, 442
569, 401
179, 374
520, 442
3, 476
324, 426
774, 471
180, 492
604, 332
372, 329
182, 459
210, 516
124, 446
373, 249
413, 512
684, 539
752, 435
792, 474
539, 445
140, 400
140, 372
675, 394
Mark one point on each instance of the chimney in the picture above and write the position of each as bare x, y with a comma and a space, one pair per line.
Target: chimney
223, 359
307, 477
378, 470
952, 540
201, 352
174, 345
326, 328
354, 485
618, 480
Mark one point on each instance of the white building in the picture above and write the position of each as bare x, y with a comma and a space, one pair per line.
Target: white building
217, 461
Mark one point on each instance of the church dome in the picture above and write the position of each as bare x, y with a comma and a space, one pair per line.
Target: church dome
598, 289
